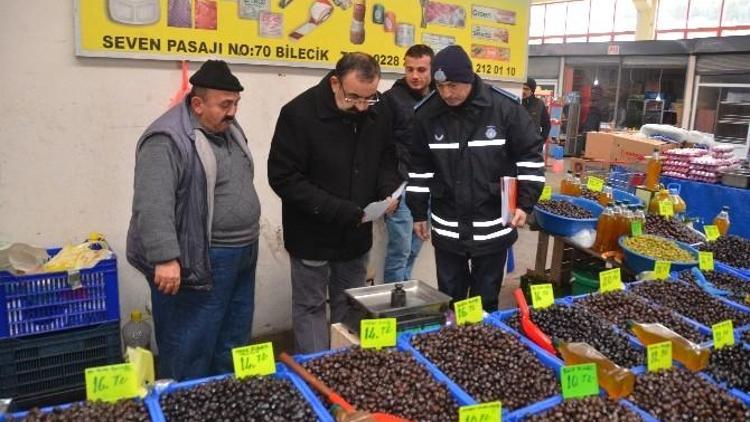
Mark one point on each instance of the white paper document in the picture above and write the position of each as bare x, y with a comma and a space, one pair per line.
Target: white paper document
375, 210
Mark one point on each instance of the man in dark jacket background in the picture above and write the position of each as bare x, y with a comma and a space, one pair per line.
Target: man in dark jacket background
331, 155
536, 108
194, 228
467, 139
403, 245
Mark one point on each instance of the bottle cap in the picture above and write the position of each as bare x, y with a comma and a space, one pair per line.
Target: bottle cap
135, 315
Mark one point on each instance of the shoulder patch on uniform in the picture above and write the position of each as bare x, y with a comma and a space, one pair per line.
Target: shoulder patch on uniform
507, 94
424, 100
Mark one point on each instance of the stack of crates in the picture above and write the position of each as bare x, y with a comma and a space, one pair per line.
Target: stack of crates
52, 327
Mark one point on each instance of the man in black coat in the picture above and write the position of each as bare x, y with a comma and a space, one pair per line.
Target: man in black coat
331, 155
469, 139
536, 108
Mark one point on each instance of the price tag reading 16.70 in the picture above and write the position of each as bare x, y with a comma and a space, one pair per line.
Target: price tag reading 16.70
579, 380
468, 311
485, 412
377, 333
112, 382
256, 359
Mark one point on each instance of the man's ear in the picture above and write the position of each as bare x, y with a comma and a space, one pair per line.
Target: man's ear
196, 103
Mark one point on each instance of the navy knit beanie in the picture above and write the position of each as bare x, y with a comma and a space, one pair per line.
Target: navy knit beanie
531, 83
215, 74
452, 64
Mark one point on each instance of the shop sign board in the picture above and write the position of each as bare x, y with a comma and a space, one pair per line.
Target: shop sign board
306, 33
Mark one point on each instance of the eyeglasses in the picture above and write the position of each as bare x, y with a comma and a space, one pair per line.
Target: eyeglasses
356, 99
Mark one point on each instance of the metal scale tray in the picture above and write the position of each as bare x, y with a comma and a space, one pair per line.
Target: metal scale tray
423, 303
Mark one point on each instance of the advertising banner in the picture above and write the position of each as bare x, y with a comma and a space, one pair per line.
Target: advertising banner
306, 33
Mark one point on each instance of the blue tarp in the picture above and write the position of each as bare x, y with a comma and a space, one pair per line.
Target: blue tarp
704, 201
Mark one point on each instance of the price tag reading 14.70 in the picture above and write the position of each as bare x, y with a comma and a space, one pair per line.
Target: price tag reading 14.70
542, 296
256, 359
485, 412
610, 280
377, 333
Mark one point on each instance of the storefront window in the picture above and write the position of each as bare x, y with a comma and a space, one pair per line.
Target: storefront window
602, 16
672, 14
626, 17
578, 12
736, 12
536, 24
704, 14
640, 84
555, 26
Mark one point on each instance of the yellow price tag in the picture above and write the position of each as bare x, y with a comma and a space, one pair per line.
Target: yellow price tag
579, 380
636, 228
256, 359
706, 261
594, 184
666, 208
542, 296
546, 193
468, 310
723, 334
659, 356
377, 333
485, 412
661, 269
712, 232
610, 280
112, 382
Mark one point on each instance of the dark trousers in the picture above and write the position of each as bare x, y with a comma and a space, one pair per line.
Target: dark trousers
464, 276
196, 330
312, 282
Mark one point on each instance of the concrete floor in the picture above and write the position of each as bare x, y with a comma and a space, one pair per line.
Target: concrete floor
424, 268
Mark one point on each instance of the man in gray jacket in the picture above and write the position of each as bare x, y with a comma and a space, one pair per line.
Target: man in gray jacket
194, 227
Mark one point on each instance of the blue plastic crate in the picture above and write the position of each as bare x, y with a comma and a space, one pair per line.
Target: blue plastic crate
17, 416
44, 303
543, 407
39, 365
157, 415
404, 343
461, 398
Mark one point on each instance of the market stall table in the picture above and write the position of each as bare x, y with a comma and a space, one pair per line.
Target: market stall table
704, 200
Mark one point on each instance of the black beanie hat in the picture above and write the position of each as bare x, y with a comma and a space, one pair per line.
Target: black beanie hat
215, 74
531, 83
452, 64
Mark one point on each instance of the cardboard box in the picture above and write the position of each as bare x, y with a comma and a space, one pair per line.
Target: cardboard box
599, 146
633, 149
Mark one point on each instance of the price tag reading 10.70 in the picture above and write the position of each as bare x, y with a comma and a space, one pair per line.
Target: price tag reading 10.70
485, 412
377, 333
659, 356
723, 334
468, 311
256, 359
579, 380
112, 382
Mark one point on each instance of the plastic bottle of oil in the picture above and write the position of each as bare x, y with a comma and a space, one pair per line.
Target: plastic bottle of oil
662, 195
604, 229
605, 196
566, 184
694, 357
618, 382
678, 203
576, 187
721, 221
624, 228
653, 171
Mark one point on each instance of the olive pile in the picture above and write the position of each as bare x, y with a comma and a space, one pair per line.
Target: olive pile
746, 337
571, 324
738, 288
249, 399
732, 250
123, 410
592, 408
565, 209
619, 307
731, 364
691, 302
680, 395
658, 248
589, 194
671, 229
498, 366
386, 381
